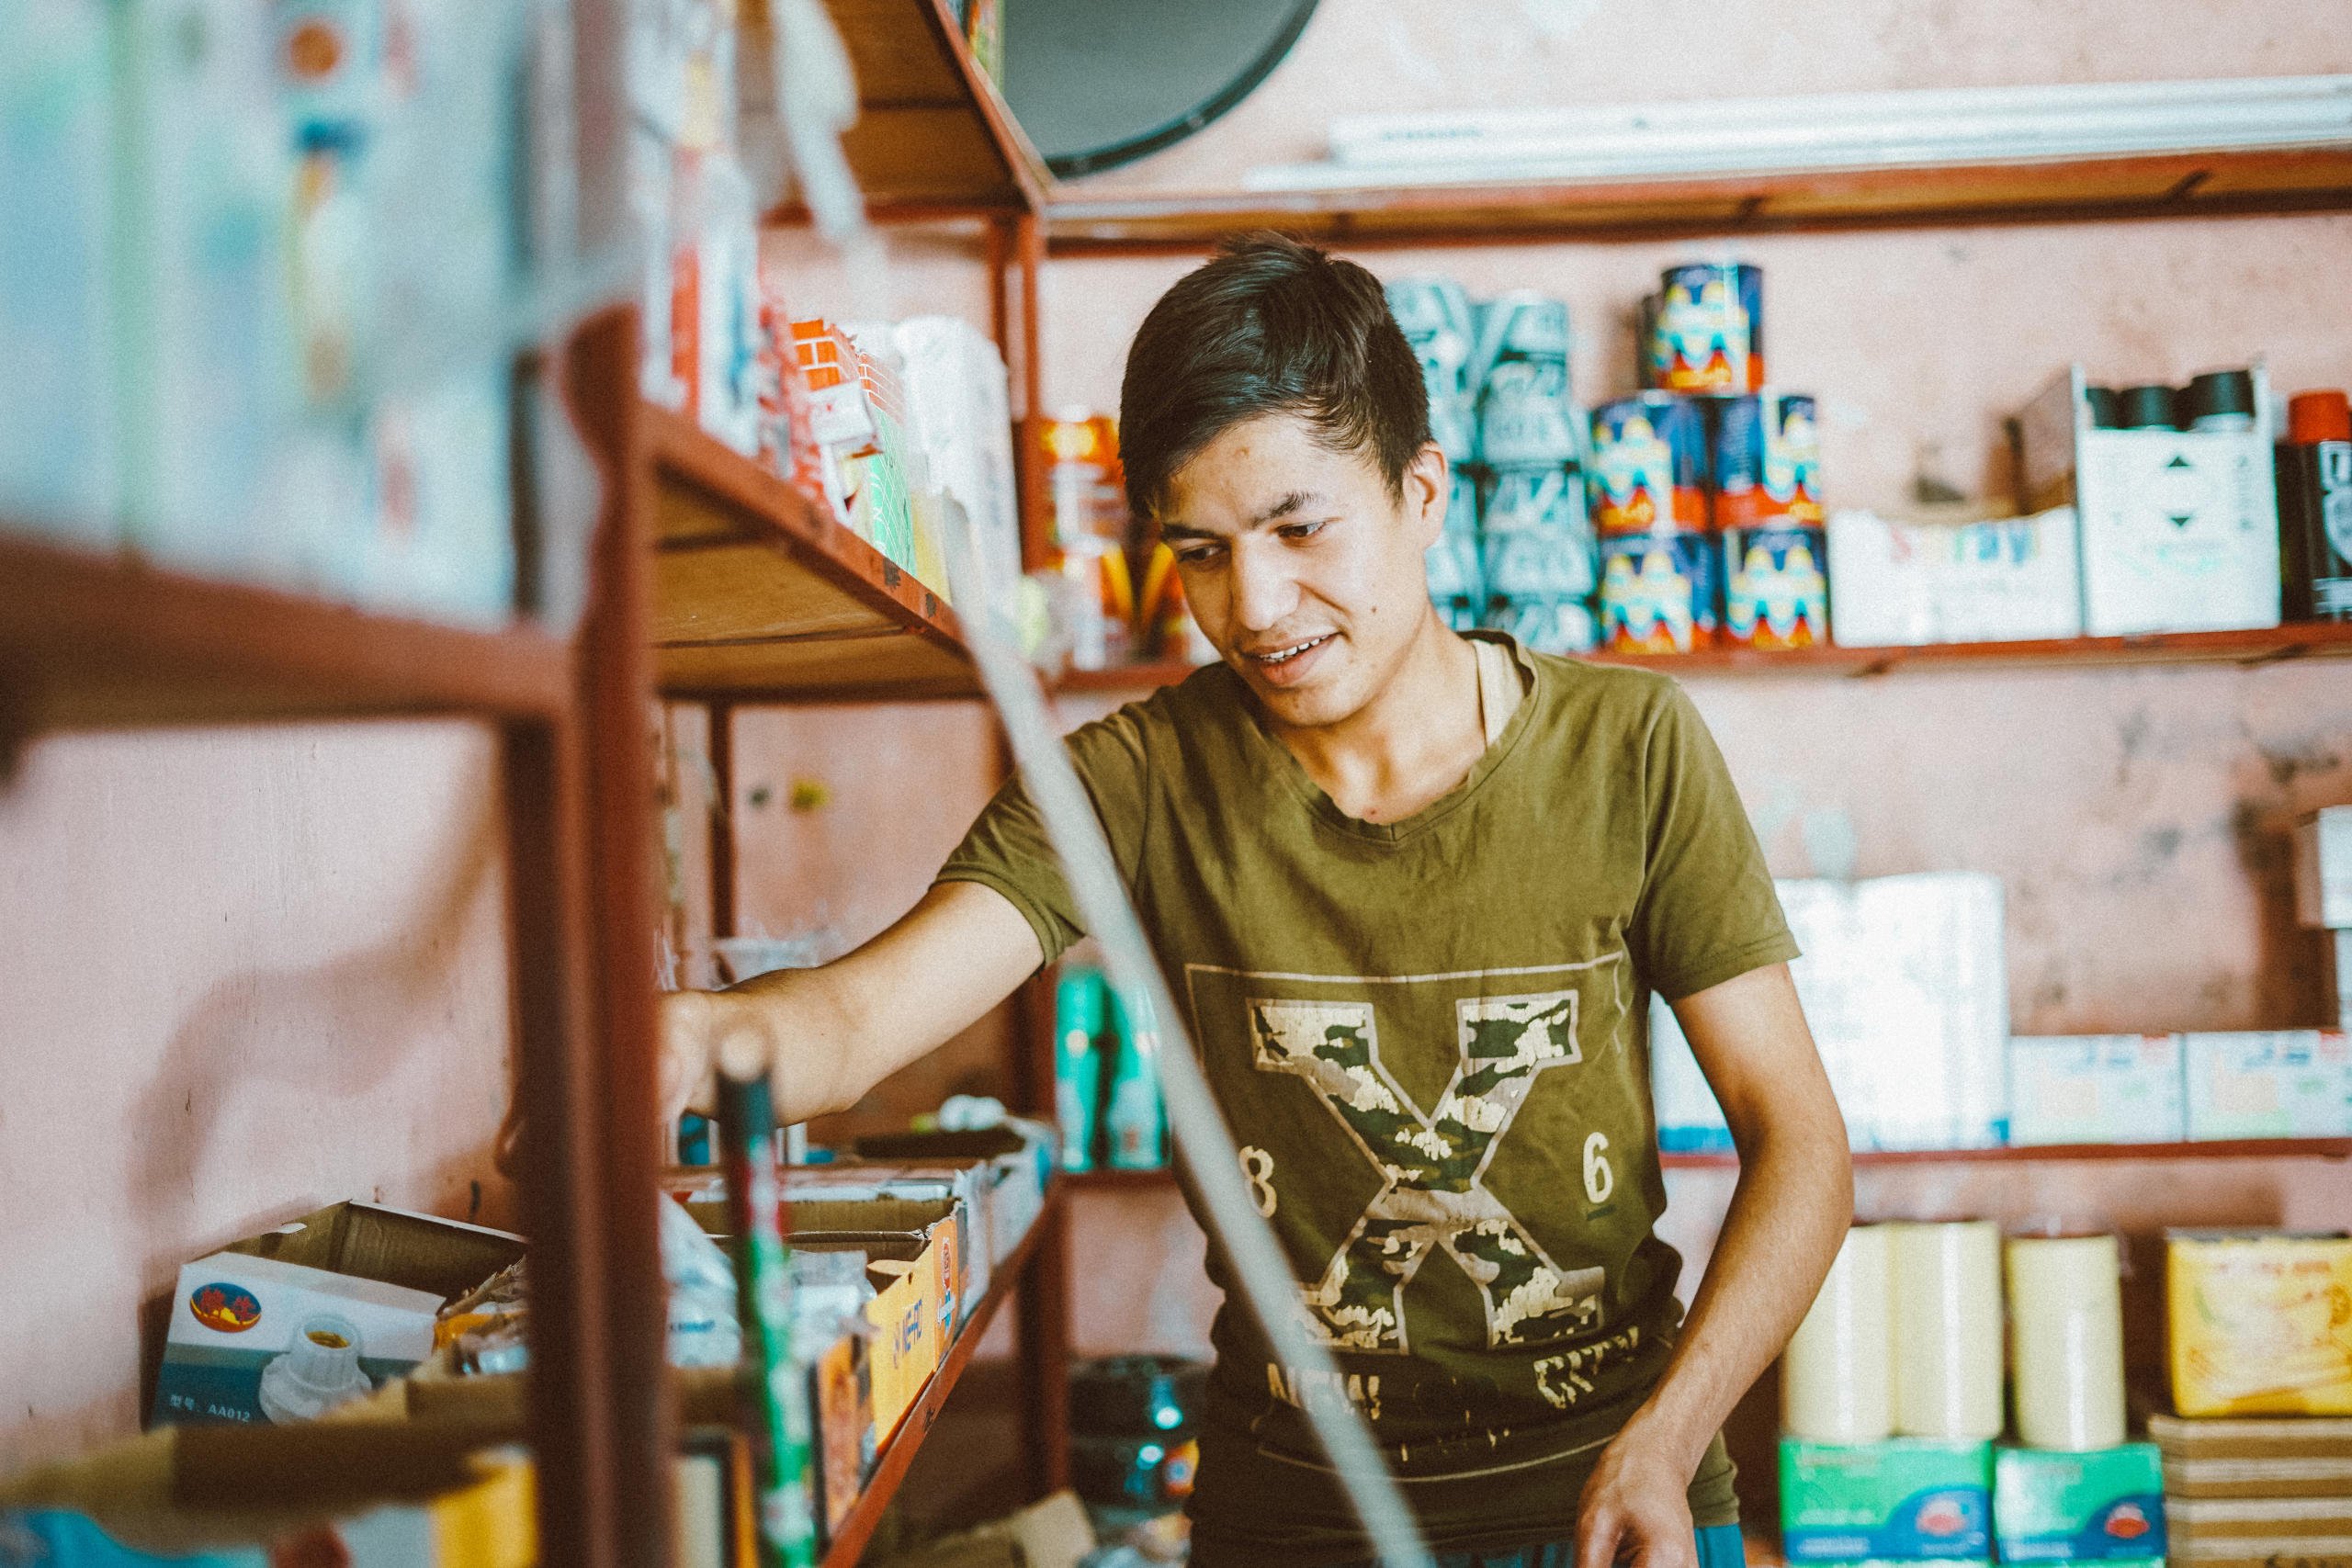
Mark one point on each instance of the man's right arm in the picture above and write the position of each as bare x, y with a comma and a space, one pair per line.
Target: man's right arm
825, 1036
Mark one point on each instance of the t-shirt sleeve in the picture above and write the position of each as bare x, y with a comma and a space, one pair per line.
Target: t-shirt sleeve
1007, 847
1707, 912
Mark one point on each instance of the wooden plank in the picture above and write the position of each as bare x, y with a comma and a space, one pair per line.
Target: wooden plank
2234, 1148
2012, 191
760, 595
933, 132
2270, 645
894, 52
891, 1464
92, 639
898, 666
923, 154
753, 590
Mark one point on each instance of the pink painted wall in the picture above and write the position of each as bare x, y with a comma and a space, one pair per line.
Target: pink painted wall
247, 975
1378, 57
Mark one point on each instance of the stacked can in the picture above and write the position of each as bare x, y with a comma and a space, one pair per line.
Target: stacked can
1660, 585
1535, 539
1766, 461
1436, 318
1705, 328
1457, 577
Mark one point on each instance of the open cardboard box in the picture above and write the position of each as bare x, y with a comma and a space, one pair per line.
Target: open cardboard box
284, 1326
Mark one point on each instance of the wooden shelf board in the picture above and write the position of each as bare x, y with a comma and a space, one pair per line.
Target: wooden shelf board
2235, 1148
2313, 639
933, 132
898, 1454
760, 595
2153, 186
108, 640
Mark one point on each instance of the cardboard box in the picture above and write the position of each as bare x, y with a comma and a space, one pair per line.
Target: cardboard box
2190, 1521
1905, 581
2324, 869
1903, 1500
284, 1325
909, 1338
2179, 530
2293, 1083
2104, 1506
2254, 1457
2096, 1088
2258, 1323
1690, 1121
1905, 980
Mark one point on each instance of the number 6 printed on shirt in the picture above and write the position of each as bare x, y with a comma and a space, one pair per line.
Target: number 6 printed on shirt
1600, 1179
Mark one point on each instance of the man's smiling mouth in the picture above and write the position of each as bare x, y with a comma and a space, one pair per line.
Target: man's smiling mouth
1284, 655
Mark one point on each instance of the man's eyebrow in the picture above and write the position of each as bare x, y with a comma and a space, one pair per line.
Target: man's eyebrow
1298, 501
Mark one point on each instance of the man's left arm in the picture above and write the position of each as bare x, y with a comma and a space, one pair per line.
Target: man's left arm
1787, 1215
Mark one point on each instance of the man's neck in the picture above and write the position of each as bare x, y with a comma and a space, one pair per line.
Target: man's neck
1409, 744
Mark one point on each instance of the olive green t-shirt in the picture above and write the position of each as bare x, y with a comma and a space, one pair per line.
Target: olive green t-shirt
1430, 1040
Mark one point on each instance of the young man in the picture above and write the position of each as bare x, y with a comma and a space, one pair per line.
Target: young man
1414, 890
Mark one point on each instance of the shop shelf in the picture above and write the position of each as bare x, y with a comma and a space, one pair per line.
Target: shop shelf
2128, 186
891, 1464
2235, 1148
758, 596
933, 133
109, 640
2232, 1148
2270, 645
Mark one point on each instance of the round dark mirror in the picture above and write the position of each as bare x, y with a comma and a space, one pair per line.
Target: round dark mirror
1099, 82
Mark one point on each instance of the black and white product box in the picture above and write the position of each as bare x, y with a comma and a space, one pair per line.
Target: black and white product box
2178, 528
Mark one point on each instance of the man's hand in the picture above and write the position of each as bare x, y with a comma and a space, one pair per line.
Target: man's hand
825, 1036
1636, 1507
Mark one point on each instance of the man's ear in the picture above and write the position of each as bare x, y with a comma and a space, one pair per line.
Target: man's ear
1429, 485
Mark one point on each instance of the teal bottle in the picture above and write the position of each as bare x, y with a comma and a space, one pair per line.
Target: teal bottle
1137, 1121
1079, 1005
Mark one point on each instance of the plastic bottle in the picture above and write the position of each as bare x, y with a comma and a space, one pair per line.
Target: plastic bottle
1079, 1004
1137, 1121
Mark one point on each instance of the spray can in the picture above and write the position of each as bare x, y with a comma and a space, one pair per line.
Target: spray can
2316, 507
1134, 1117
1078, 1063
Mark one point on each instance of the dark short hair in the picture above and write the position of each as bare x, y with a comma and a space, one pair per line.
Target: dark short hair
1269, 326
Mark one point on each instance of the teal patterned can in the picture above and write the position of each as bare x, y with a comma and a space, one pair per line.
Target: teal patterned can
1520, 369
1435, 316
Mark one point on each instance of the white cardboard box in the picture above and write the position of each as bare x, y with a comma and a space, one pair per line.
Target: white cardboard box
2324, 869
2292, 1083
1897, 582
282, 1326
1905, 980
1689, 1119
2178, 529
2096, 1088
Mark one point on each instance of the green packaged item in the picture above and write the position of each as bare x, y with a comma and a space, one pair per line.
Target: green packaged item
1904, 1500
2106, 1505
1081, 1009
1136, 1122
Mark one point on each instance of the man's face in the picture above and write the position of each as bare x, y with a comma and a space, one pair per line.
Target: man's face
1301, 567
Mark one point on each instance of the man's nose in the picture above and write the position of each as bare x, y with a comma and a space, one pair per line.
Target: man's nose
1264, 591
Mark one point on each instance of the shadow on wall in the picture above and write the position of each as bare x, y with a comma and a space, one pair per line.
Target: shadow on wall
334, 1031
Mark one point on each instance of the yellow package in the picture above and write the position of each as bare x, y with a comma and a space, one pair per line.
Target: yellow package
2260, 1322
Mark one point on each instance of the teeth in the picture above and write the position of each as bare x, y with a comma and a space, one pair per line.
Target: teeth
1287, 654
